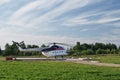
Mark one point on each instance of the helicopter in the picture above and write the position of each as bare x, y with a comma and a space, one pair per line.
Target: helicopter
52, 50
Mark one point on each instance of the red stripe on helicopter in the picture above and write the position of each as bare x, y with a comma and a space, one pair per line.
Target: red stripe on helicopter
60, 48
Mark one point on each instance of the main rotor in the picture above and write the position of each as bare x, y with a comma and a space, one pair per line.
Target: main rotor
62, 44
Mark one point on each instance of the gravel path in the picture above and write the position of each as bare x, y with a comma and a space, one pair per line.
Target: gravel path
98, 64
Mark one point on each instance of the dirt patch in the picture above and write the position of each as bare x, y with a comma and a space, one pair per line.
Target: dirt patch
97, 63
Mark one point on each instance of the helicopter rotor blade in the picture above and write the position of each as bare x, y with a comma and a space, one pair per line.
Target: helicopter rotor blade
64, 44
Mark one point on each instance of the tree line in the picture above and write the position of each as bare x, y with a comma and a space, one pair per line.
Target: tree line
77, 50
93, 49
13, 50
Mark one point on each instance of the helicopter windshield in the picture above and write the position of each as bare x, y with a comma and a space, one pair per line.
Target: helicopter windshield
54, 47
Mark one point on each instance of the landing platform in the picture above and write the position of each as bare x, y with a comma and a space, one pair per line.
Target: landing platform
42, 59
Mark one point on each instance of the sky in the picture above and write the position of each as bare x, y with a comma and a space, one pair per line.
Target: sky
64, 21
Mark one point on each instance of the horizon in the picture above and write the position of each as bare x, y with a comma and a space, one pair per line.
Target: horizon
70, 45
63, 21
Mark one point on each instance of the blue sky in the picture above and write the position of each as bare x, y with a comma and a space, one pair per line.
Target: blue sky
66, 21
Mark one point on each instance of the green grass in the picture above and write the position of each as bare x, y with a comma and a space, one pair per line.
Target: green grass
50, 70
2, 58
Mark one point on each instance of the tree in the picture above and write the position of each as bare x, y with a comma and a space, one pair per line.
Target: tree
99, 46
35, 46
14, 49
113, 51
0, 51
43, 45
11, 50
107, 51
114, 46
32, 46
85, 46
7, 50
22, 45
87, 52
71, 51
100, 51
77, 47
111, 46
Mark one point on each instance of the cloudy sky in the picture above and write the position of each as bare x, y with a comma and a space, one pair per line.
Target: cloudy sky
68, 21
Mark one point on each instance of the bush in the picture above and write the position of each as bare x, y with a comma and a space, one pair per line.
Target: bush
87, 52
100, 51
113, 51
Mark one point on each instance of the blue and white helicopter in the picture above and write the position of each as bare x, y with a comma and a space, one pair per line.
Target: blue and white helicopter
54, 49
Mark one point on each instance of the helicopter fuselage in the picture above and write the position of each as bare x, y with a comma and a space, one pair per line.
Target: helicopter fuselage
54, 51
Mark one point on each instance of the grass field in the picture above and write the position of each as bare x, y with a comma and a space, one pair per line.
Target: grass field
50, 70
2, 58
56, 70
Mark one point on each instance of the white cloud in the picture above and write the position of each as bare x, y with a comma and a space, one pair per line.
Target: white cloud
65, 7
83, 30
110, 16
22, 15
4, 1
107, 20
27, 8
107, 17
